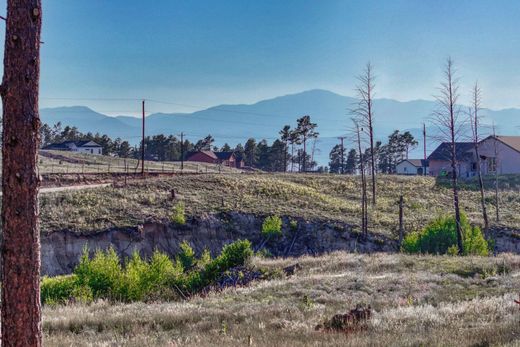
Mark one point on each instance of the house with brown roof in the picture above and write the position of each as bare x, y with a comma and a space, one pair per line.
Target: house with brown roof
497, 153
202, 157
228, 159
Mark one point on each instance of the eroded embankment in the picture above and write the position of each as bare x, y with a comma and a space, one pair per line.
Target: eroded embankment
61, 250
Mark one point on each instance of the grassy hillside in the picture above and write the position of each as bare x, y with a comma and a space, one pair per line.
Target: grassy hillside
69, 162
416, 300
313, 197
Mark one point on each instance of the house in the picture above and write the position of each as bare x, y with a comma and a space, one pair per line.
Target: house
226, 158
412, 167
202, 157
239, 161
497, 153
230, 159
439, 160
500, 153
86, 146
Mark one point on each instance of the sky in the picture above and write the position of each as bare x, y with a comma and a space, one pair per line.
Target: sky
200, 53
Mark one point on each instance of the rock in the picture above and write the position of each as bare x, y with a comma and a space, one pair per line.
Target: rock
291, 269
355, 320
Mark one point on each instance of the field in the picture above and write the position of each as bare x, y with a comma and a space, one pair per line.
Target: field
62, 162
416, 301
312, 197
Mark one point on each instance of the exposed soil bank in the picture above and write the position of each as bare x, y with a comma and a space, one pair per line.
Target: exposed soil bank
61, 250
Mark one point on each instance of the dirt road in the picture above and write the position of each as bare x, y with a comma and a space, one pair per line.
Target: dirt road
67, 188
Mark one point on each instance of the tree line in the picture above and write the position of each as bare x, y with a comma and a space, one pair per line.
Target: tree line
387, 155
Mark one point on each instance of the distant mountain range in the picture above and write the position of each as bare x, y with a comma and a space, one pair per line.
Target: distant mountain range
236, 123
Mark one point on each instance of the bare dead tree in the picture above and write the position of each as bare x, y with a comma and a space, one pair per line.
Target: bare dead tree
474, 114
364, 197
495, 153
450, 126
364, 113
21, 311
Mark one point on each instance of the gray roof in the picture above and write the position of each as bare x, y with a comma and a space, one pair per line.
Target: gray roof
66, 144
443, 152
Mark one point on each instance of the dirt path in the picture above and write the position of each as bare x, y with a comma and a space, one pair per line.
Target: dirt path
67, 188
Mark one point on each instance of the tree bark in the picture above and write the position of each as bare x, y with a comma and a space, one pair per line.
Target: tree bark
481, 187
456, 194
21, 312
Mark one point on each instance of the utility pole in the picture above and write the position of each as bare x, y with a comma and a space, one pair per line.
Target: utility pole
182, 151
424, 148
142, 146
424, 139
401, 224
341, 138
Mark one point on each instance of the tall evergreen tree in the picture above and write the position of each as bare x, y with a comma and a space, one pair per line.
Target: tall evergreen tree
306, 130
351, 162
250, 153
336, 160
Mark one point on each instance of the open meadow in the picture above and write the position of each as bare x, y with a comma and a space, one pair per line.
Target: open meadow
415, 301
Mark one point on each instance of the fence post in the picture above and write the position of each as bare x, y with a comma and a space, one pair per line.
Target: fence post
401, 227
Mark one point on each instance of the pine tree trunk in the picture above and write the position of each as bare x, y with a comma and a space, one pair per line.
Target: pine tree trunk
21, 322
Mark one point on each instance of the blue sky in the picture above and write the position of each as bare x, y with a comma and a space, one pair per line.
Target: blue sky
203, 53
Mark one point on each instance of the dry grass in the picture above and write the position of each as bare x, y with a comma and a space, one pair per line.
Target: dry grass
88, 163
312, 197
417, 300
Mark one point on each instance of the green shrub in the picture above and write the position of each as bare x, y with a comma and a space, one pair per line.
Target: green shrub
474, 242
56, 290
104, 277
187, 256
178, 215
293, 225
234, 254
103, 273
204, 259
440, 237
272, 227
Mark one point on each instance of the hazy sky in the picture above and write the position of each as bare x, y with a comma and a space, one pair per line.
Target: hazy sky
202, 53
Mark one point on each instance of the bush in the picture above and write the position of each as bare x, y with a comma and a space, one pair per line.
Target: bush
57, 290
272, 226
103, 273
440, 237
234, 254
293, 225
187, 256
178, 215
104, 277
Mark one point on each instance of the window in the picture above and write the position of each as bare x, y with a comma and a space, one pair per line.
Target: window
492, 164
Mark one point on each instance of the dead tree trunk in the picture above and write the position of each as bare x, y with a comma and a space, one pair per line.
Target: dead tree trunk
21, 322
364, 112
449, 126
476, 139
364, 200
495, 150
